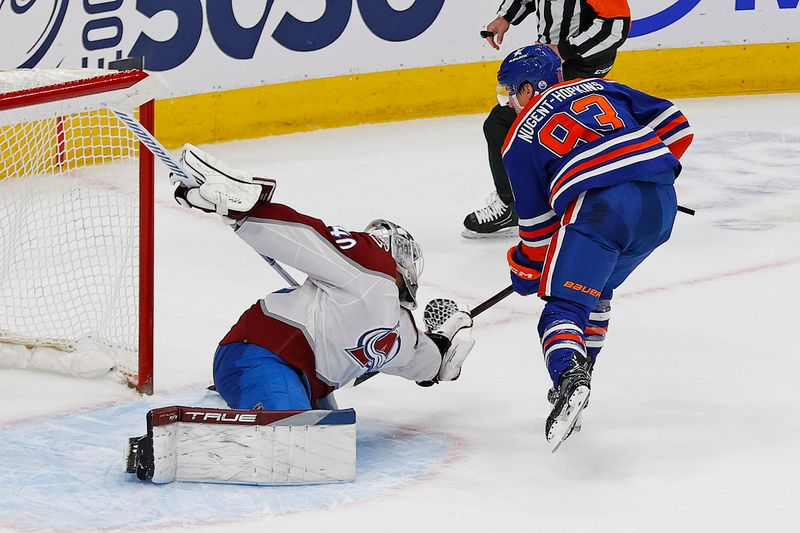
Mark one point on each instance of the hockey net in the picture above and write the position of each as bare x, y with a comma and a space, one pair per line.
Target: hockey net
76, 224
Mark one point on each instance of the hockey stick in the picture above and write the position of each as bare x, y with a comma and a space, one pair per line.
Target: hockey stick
480, 308
160, 152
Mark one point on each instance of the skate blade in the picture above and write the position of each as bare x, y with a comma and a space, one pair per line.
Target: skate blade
564, 425
505, 233
578, 421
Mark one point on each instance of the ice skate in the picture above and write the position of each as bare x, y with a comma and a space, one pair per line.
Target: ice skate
570, 399
552, 397
495, 220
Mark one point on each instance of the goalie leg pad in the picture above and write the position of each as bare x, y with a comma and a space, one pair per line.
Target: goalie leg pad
245, 447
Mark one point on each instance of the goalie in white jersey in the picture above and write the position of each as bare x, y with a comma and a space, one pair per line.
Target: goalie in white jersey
352, 315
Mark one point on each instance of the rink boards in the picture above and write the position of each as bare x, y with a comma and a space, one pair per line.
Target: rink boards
420, 92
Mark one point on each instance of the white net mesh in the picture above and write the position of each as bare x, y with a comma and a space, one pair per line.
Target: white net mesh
22, 79
69, 235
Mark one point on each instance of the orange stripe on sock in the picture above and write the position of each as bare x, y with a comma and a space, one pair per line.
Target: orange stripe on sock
532, 234
563, 336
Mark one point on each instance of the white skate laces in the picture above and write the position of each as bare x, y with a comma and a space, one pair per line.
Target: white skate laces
494, 210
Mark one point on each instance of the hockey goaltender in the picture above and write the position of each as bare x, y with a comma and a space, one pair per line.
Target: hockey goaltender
278, 366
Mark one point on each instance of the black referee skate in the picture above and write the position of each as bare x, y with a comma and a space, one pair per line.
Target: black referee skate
495, 220
573, 393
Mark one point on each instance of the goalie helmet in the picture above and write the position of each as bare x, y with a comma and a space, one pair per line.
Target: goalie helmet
406, 253
538, 65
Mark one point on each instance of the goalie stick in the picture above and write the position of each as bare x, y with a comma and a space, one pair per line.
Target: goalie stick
480, 308
158, 150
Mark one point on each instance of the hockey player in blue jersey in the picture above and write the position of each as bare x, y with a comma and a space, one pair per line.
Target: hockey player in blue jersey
592, 165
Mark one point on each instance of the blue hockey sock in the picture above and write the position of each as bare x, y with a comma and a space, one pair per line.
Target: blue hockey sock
597, 326
561, 328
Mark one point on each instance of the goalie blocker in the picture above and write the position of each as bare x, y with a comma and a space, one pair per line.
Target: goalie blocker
245, 447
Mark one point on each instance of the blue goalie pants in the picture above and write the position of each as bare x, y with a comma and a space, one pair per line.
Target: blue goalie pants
605, 235
248, 376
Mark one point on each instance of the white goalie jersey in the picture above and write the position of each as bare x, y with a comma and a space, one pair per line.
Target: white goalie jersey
346, 319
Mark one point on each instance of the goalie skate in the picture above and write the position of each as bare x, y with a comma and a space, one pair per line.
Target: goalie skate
139, 457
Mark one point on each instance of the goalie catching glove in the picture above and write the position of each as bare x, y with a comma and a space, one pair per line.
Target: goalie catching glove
223, 189
449, 327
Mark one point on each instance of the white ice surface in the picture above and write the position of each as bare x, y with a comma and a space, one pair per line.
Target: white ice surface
693, 423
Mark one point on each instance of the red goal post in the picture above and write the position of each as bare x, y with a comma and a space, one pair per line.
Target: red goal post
76, 223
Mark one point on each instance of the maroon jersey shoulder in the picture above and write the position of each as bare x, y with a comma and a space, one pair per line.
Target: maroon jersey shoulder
358, 246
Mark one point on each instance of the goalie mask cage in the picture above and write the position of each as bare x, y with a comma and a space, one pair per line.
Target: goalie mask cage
76, 224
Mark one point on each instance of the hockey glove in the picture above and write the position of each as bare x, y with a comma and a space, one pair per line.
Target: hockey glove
525, 273
223, 189
449, 328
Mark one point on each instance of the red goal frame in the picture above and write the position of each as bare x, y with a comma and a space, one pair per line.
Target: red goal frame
97, 85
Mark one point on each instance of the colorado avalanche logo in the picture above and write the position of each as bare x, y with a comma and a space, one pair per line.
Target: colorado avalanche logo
376, 347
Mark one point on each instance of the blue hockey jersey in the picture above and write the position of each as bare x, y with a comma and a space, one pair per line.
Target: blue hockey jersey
586, 134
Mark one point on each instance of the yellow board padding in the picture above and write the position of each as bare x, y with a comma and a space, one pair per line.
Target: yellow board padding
327, 103
457, 89
711, 70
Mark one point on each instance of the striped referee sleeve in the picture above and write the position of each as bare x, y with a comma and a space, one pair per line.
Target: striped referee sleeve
515, 11
602, 36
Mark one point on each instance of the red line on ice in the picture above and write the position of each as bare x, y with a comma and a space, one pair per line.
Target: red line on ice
711, 277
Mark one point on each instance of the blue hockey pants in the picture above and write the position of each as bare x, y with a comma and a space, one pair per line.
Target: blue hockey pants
605, 235
248, 376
